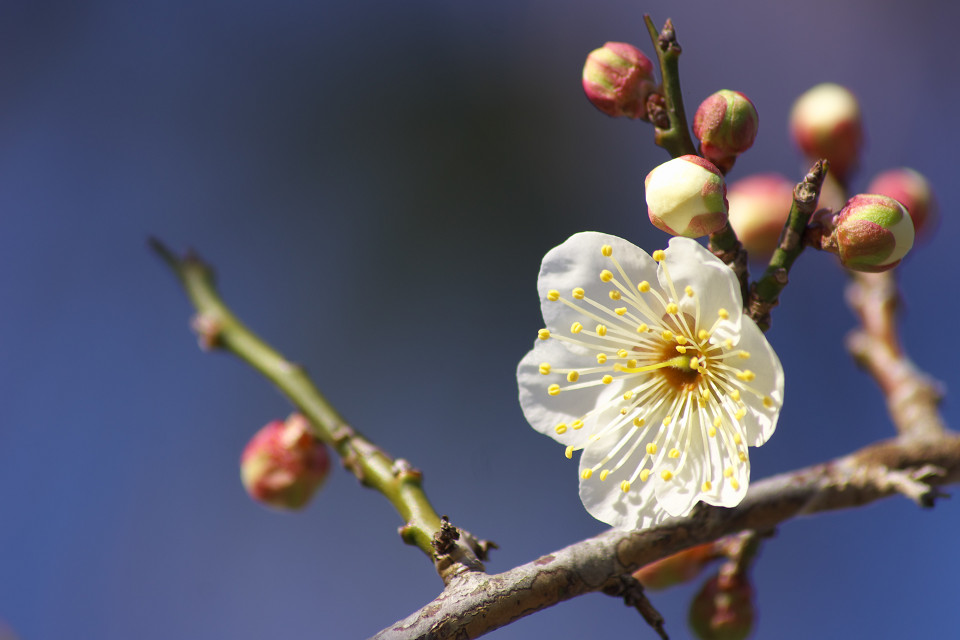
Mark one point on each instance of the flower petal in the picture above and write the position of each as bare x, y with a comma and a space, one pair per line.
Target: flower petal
763, 405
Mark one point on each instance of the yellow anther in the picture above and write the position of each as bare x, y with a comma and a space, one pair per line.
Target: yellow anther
631, 364
734, 484
735, 395
614, 294
737, 439
728, 344
701, 401
620, 311
601, 330
682, 349
694, 362
723, 313
576, 327
767, 402
742, 456
606, 379
606, 275
553, 389
706, 486
560, 428
623, 411
644, 286
643, 328
601, 358
586, 474
578, 293
746, 375
606, 250
625, 486
705, 395
638, 422
577, 424
667, 420
672, 308
666, 475
667, 335
658, 255
573, 376
652, 448
728, 472
628, 395
544, 368
674, 453
742, 411
622, 353
712, 432
703, 335
553, 295
688, 290
717, 421
644, 475
543, 334
569, 452
681, 339
744, 354
604, 474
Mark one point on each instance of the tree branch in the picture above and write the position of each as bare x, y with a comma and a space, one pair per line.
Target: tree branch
477, 603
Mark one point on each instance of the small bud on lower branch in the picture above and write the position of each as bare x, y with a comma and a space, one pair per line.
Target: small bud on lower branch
871, 233
825, 123
283, 464
617, 79
723, 608
687, 197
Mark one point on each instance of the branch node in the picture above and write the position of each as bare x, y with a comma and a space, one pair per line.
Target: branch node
630, 589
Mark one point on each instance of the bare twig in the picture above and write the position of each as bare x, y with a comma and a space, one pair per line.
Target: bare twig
630, 589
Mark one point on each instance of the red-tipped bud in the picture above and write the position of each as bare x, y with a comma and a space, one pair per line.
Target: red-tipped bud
913, 191
825, 123
283, 464
726, 125
686, 197
723, 608
617, 79
678, 568
871, 233
759, 206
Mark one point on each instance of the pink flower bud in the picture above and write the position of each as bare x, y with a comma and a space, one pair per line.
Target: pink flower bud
825, 123
723, 608
283, 464
617, 79
678, 568
686, 197
910, 189
759, 206
871, 233
726, 125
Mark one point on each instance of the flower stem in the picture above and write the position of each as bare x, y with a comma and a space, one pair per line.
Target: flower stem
765, 293
675, 138
397, 480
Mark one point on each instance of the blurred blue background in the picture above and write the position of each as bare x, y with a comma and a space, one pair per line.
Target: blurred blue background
376, 183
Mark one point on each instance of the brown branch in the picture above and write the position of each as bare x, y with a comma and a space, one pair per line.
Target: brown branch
477, 603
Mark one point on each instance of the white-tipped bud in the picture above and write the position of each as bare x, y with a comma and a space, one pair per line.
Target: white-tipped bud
686, 197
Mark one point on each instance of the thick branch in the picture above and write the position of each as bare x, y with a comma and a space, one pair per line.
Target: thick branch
396, 479
477, 603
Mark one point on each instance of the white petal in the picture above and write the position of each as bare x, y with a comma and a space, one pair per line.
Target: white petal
688, 263
760, 421
678, 495
578, 263
543, 411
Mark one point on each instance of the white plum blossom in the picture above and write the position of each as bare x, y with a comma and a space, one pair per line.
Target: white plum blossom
650, 367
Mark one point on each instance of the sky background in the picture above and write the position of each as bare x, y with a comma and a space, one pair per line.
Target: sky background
376, 183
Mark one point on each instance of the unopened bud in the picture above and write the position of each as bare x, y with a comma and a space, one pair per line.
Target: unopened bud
686, 197
871, 233
283, 464
825, 123
723, 608
759, 207
617, 79
676, 569
910, 189
726, 125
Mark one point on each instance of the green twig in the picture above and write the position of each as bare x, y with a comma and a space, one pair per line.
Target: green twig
725, 245
765, 293
675, 138
394, 478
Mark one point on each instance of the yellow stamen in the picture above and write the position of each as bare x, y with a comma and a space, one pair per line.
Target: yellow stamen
560, 428
606, 379
674, 453
658, 255
601, 330
614, 295
620, 311
576, 327
544, 368
543, 334
625, 486
652, 448
577, 424
606, 275
666, 475
601, 358
553, 389
573, 376
706, 486
586, 474
604, 474
638, 422
553, 295
578, 293
723, 313
672, 308
644, 475
569, 452
606, 250
688, 290
644, 286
